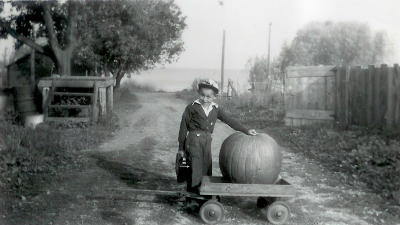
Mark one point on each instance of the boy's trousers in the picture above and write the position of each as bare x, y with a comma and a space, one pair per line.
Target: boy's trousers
198, 149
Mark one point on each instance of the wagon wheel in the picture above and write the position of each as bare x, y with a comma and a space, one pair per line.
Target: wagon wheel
277, 213
211, 212
263, 202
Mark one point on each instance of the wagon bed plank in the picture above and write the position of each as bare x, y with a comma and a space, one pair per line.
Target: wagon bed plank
218, 186
73, 93
68, 119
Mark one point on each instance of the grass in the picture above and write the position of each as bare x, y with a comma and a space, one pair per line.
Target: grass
368, 157
31, 158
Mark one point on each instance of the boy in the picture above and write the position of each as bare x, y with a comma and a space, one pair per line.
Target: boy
196, 127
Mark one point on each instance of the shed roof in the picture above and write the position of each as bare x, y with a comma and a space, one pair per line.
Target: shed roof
25, 50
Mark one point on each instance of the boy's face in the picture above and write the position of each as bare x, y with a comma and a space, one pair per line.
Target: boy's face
207, 95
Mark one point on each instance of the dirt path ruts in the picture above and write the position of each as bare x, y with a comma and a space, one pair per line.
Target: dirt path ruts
142, 154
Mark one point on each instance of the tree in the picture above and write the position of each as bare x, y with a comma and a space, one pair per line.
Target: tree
126, 36
54, 20
118, 36
329, 43
258, 71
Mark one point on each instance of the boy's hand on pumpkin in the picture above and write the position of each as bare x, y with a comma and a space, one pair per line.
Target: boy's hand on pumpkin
252, 132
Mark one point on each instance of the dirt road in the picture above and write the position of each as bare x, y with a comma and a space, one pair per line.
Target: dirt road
142, 154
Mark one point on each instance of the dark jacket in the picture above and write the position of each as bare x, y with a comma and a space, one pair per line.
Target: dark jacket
195, 119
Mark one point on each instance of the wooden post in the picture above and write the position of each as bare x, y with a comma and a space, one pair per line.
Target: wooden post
363, 78
110, 100
94, 103
346, 96
337, 93
383, 95
390, 98
396, 101
45, 95
354, 96
370, 94
222, 64
376, 103
102, 102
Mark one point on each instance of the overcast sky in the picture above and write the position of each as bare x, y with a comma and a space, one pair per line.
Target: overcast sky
246, 23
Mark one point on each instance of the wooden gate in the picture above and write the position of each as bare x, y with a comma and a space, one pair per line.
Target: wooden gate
309, 95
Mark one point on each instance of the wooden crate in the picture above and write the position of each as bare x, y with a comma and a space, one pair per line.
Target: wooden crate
101, 96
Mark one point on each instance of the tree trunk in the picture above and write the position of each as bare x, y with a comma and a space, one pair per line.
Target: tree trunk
62, 56
118, 79
64, 65
117, 83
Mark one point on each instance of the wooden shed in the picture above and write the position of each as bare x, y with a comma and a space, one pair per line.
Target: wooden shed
28, 66
309, 95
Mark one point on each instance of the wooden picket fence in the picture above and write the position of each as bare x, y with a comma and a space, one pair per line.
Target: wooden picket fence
364, 96
368, 96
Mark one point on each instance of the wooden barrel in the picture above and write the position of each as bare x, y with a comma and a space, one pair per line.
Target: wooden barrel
25, 101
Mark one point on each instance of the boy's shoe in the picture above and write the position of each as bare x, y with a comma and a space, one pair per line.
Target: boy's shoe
191, 205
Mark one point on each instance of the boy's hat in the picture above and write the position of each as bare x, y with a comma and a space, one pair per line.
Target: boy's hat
208, 83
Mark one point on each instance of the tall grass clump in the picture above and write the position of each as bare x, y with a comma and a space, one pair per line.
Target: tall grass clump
31, 158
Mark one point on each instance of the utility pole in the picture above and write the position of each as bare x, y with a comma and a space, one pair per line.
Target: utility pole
32, 62
222, 62
221, 3
269, 50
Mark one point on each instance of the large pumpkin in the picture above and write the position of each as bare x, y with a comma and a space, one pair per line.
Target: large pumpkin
250, 159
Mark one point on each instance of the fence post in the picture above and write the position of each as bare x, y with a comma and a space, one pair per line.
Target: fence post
95, 112
377, 86
383, 101
338, 71
346, 96
389, 100
370, 95
396, 101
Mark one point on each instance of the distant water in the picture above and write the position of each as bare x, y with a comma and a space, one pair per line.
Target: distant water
179, 79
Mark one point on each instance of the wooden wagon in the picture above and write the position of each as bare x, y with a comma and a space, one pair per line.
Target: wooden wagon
271, 198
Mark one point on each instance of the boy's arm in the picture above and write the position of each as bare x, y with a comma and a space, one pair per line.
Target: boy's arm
236, 125
183, 128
